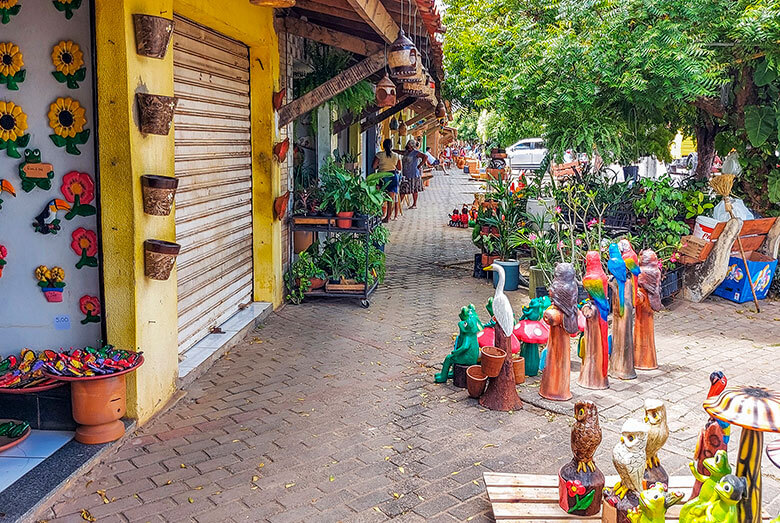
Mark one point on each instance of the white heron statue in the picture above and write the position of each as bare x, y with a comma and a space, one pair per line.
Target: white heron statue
502, 309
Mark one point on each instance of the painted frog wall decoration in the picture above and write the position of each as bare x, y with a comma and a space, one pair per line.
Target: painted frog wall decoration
653, 504
34, 173
722, 505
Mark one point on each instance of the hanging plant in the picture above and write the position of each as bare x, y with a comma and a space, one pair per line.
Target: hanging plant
68, 61
9, 8
67, 7
13, 123
66, 118
5, 186
11, 63
90, 307
3, 254
35, 173
85, 245
79, 190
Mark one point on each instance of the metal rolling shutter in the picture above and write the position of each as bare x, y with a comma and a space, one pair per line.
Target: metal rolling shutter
214, 168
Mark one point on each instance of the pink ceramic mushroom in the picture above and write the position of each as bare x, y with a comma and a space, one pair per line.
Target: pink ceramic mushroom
486, 338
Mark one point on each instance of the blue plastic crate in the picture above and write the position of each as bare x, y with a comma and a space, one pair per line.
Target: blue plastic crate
736, 287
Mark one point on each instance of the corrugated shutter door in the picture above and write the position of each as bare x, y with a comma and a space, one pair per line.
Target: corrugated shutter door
214, 167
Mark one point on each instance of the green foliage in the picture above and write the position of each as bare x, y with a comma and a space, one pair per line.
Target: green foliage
774, 187
344, 257
508, 219
660, 205
298, 277
345, 191
759, 124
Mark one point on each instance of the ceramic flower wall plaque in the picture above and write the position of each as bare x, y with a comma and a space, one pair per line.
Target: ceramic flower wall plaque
3, 254
90, 307
5, 186
47, 221
9, 8
13, 123
85, 245
67, 7
51, 281
68, 61
35, 173
66, 118
79, 190
11, 63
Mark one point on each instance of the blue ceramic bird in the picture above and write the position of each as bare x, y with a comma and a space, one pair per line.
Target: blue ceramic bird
616, 266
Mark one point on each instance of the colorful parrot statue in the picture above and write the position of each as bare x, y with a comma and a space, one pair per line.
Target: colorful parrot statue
595, 283
632, 263
617, 268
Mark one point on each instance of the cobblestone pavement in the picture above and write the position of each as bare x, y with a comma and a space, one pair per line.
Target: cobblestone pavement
329, 412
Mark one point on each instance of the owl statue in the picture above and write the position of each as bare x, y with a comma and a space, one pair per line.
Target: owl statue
629, 457
655, 417
585, 435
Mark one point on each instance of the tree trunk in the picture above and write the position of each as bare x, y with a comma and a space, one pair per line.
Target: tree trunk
501, 393
706, 130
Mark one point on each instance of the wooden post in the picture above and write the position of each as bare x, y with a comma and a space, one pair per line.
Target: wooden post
331, 37
387, 113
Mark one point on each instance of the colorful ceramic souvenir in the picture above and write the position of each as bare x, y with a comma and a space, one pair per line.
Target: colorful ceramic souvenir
25, 371
13, 123
717, 467
653, 504
655, 417
90, 307
51, 281
91, 362
78, 189
5, 186
3, 254
35, 173
594, 358
595, 283
67, 119
621, 359
714, 436
67, 7
562, 317
647, 303
632, 263
68, 63
616, 266
580, 482
47, 221
9, 8
11, 63
721, 506
466, 350
85, 245
630, 460
533, 331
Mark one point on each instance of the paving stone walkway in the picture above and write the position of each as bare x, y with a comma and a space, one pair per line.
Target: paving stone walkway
329, 412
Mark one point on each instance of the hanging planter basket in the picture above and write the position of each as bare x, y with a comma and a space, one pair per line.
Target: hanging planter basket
152, 35
278, 98
280, 150
385, 92
402, 57
159, 257
156, 113
158, 193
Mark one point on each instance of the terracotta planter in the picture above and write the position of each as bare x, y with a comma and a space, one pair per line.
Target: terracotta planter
518, 365
52, 294
158, 193
302, 240
155, 112
344, 224
492, 358
475, 381
317, 283
152, 35
159, 257
488, 259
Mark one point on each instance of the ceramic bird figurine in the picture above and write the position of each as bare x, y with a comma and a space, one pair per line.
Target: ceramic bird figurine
632, 261
5, 186
629, 457
502, 309
617, 268
655, 417
650, 278
585, 434
713, 437
721, 507
595, 283
47, 222
563, 293
653, 504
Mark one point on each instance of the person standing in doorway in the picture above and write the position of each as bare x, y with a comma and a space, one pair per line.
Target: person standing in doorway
389, 162
412, 161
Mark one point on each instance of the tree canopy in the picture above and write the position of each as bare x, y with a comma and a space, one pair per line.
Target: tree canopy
622, 76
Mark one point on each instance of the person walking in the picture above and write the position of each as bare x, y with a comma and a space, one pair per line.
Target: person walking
389, 162
412, 161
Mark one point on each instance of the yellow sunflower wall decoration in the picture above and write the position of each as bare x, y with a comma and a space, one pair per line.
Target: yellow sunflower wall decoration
11, 63
66, 118
67, 7
13, 123
9, 8
68, 61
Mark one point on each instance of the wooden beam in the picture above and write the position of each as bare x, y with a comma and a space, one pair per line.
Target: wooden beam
375, 15
340, 83
387, 113
339, 125
416, 119
331, 37
328, 10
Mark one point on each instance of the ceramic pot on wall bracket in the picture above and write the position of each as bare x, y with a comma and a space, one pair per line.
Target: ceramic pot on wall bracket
152, 35
155, 113
159, 257
158, 193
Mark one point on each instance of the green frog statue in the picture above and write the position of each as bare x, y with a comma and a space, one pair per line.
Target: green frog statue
466, 350
653, 504
720, 493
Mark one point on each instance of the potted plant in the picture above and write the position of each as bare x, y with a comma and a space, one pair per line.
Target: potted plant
303, 275
339, 191
506, 225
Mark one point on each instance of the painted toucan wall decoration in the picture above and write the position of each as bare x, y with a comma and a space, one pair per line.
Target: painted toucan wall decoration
47, 222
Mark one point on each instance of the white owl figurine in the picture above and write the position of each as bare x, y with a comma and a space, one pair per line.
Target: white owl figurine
629, 457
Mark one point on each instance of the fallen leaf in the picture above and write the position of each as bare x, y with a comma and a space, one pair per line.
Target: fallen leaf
455, 473
89, 483
396, 495
255, 478
401, 470
260, 465
377, 509
332, 478
183, 466
488, 445
199, 488
475, 482
168, 482
86, 516
288, 485
477, 463
191, 500
420, 497
102, 494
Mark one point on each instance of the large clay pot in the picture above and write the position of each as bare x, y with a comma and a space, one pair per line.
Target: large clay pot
491, 359
302, 240
459, 375
475, 381
317, 283
344, 224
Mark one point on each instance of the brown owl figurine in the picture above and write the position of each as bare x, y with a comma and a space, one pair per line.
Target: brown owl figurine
580, 482
585, 435
655, 417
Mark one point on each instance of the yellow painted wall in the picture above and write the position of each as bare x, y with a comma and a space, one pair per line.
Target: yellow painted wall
140, 313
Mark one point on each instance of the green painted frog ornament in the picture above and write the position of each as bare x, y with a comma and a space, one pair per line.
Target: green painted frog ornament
466, 350
653, 504
722, 505
718, 466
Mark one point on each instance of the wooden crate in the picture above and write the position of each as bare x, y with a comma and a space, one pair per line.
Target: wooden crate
530, 498
694, 250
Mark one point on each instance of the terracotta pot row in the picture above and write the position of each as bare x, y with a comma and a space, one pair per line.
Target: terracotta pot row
491, 361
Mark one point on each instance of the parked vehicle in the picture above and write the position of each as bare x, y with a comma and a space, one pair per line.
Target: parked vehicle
528, 153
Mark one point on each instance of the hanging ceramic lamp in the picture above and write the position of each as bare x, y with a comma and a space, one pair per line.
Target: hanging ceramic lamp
385, 92
402, 57
441, 110
394, 124
402, 129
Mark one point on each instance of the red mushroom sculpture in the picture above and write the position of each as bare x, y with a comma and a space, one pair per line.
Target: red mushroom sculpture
532, 333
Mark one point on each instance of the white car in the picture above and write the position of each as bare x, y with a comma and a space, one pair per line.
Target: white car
527, 154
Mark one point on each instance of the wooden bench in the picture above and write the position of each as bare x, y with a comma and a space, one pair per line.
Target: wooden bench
708, 260
528, 498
